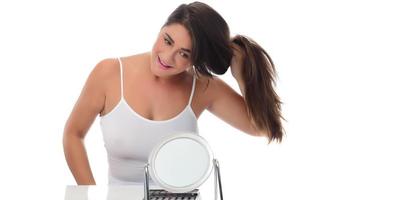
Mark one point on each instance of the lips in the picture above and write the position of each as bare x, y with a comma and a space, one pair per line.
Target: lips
164, 65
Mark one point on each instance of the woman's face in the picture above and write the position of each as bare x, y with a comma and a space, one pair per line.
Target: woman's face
171, 53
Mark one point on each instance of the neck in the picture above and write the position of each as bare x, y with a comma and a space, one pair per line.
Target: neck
171, 80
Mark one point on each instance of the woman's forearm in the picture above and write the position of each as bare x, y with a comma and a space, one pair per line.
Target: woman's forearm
77, 159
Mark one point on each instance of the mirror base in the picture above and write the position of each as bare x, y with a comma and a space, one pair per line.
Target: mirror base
158, 193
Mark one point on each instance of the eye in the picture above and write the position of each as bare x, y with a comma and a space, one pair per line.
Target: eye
167, 41
184, 55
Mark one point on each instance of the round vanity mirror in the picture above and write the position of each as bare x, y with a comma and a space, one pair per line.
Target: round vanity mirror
181, 163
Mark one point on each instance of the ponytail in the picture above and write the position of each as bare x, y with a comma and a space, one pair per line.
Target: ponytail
211, 52
263, 104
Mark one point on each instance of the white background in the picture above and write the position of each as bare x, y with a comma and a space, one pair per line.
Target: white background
339, 74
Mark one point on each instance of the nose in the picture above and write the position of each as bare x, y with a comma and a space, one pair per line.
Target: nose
169, 58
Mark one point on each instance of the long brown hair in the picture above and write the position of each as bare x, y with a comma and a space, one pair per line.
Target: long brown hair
212, 53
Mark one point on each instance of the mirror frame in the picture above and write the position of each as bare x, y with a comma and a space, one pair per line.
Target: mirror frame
195, 185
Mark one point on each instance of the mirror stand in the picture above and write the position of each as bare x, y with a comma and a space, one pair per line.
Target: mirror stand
217, 178
146, 183
194, 193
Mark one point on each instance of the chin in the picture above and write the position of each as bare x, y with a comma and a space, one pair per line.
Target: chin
158, 72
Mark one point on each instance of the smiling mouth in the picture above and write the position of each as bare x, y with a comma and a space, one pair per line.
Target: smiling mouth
163, 65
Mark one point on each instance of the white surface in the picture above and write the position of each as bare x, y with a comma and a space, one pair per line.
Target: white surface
125, 192
339, 65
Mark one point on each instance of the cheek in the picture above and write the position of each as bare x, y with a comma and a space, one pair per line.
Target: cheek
184, 63
158, 45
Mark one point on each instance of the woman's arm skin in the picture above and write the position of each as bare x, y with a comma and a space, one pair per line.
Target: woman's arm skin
89, 104
231, 107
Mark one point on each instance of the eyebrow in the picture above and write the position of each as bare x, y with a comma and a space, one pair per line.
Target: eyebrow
170, 38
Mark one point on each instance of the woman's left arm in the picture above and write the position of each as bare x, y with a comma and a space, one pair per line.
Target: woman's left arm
227, 104
231, 107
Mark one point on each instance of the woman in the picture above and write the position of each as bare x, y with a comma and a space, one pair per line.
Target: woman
145, 97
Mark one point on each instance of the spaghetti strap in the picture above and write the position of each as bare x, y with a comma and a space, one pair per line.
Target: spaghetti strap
121, 78
192, 90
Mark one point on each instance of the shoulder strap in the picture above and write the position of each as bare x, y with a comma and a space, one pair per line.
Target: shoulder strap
121, 77
192, 90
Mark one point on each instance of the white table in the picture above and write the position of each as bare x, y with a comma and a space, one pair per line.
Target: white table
106, 192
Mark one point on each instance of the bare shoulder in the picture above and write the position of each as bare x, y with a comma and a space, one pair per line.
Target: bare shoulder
100, 74
212, 88
216, 85
105, 69
106, 74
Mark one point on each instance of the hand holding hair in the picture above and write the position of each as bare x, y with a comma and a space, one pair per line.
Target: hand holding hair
236, 63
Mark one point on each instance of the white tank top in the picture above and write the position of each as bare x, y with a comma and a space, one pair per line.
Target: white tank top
129, 137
